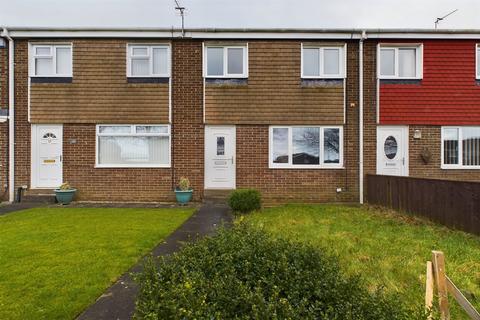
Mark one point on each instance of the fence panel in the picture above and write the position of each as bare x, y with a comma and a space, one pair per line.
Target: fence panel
455, 204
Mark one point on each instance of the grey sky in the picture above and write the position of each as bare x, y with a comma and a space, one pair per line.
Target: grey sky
241, 13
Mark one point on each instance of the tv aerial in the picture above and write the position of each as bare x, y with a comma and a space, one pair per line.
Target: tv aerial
182, 14
442, 18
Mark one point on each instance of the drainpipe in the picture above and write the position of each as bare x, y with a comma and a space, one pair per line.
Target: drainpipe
360, 111
11, 117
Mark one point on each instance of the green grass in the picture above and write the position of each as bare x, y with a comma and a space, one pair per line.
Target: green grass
54, 262
384, 247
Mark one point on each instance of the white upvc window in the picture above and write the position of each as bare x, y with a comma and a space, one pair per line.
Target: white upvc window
400, 61
50, 60
131, 146
148, 60
477, 50
460, 147
225, 61
306, 147
323, 62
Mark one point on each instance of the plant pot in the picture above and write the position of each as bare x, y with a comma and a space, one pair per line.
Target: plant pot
65, 196
183, 197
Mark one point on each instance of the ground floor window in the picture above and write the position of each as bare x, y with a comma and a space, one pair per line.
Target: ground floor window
306, 147
133, 146
461, 147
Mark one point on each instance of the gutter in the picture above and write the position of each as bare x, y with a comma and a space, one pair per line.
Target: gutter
11, 116
360, 115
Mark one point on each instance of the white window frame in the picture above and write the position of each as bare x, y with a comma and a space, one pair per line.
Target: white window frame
342, 60
149, 56
225, 61
418, 61
460, 149
53, 54
477, 61
132, 133
290, 165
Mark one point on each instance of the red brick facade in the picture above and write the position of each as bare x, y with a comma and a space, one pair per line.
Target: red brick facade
4, 125
125, 184
309, 185
187, 147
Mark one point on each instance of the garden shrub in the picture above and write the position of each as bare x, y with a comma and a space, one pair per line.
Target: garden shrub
244, 274
245, 200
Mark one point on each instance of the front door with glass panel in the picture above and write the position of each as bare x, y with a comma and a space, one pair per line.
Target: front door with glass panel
220, 157
392, 151
47, 156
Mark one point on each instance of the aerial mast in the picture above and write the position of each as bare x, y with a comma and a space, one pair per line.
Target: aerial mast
182, 14
441, 19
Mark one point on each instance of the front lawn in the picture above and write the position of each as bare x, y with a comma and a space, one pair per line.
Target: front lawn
385, 248
54, 262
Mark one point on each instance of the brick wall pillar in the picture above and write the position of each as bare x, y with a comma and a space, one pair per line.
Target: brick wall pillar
4, 125
187, 114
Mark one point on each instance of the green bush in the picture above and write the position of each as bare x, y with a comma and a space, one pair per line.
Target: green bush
244, 274
245, 200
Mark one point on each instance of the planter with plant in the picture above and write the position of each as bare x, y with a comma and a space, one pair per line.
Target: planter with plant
65, 193
183, 192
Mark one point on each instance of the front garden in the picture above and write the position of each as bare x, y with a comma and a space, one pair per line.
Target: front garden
310, 261
54, 262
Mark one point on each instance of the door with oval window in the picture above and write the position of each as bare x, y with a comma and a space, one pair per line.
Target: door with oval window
47, 149
392, 150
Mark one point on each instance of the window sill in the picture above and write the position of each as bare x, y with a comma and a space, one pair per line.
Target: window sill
401, 81
306, 168
227, 81
51, 79
313, 82
148, 79
103, 166
461, 168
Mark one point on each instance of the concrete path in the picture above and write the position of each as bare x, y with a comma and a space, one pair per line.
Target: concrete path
118, 302
17, 206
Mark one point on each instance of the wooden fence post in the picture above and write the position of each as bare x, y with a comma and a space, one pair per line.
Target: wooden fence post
438, 260
429, 288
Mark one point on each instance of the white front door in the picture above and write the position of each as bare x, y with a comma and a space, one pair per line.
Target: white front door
219, 157
47, 149
392, 150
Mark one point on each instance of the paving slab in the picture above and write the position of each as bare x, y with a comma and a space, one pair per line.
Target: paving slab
118, 301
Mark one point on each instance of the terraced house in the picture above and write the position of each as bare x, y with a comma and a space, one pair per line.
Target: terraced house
301, 115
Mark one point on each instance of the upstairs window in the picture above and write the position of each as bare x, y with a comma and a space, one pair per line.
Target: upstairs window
323, 62
306, 147
461, 147
478, 61
148, 61
400, 62
51, 60
226, 62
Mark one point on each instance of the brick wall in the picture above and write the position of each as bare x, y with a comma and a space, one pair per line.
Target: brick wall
108, 184
187, 117
125, 184
22, 127
4, 125
431, 139
309, 185
369, 109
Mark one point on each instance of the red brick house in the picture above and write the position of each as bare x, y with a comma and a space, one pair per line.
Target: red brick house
301, 115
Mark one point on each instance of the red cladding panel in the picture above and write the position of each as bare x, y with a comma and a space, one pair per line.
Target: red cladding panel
448, 94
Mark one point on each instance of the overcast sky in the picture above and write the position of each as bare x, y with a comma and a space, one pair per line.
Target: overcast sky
241, 13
